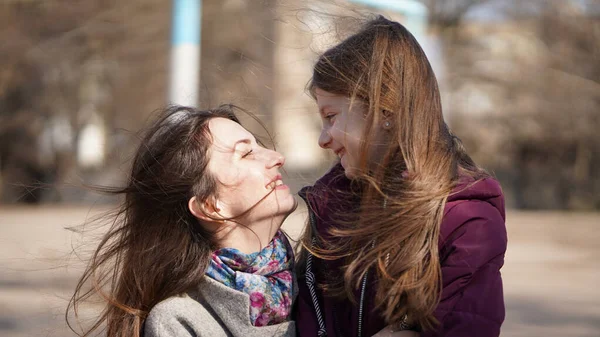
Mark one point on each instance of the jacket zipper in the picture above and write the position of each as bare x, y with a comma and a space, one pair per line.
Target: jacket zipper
310, 281
362, 298
310, 276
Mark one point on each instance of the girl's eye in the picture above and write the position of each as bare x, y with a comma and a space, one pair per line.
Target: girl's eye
247, 154
329, 117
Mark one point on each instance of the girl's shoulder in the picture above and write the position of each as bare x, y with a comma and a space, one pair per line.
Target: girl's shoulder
475, 198
474, 216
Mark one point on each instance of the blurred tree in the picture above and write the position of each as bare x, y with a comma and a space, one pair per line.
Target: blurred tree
526, 97
71, 71
75, 70
448, 14
237, 56
523, 92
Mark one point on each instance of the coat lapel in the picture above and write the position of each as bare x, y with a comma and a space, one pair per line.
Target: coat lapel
233, 309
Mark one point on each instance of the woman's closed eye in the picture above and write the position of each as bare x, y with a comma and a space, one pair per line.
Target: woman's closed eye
249, 153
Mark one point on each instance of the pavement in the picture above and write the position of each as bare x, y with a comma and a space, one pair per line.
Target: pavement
551, 275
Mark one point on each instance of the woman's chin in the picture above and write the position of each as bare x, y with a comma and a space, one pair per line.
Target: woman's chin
290, 206
285, 206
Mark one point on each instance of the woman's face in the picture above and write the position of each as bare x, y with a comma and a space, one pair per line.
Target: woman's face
246, 172
343, 126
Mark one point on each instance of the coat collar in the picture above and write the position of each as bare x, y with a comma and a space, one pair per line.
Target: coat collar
233, 309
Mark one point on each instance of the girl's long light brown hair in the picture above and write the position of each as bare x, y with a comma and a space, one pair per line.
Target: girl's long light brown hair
155, 248
384, 66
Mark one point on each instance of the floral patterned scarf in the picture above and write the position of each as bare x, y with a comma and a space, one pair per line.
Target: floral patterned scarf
266, 276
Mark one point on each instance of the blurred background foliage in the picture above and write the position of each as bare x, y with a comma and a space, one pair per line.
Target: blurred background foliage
520, 83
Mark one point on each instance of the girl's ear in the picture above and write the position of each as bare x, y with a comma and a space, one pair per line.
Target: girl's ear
206, 210
387, 119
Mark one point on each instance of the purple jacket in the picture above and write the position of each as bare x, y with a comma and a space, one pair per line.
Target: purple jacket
472, 245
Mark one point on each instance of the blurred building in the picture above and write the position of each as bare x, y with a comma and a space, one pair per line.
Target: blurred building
519, 85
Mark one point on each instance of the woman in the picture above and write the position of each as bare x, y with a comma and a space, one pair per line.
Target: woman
407, 232
195, 249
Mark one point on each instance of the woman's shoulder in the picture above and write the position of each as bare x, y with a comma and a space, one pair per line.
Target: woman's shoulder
212, 310
180, 305
177, 316
197, 303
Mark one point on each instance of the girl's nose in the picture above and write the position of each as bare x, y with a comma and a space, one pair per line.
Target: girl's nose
324, 138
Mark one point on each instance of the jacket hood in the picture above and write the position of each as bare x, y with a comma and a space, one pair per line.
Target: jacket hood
329, 191
487, 190
335, 181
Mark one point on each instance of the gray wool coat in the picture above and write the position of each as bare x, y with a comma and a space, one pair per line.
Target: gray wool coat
213, 310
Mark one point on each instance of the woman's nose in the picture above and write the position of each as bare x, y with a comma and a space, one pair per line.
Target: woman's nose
324, 138
275, 159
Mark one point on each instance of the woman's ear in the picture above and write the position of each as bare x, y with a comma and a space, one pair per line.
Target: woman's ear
205, 210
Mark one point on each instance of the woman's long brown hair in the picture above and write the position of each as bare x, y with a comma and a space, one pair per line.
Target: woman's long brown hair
154, 248
384, 66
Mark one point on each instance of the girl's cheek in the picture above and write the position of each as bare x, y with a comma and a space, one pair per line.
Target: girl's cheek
338, 127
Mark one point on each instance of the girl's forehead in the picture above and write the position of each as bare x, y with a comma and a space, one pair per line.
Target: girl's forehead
326, 98
326, 94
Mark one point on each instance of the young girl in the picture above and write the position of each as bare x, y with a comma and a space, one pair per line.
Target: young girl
406, 232
195, 249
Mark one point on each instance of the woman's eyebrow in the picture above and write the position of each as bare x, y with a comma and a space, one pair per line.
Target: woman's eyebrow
245, 140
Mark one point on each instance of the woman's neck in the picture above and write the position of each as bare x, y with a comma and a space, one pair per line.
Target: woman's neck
248, 239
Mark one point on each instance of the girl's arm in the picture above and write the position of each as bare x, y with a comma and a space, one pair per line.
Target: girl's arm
389, 332
472, 302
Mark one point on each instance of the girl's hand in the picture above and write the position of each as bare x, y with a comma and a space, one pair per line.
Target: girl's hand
388, 332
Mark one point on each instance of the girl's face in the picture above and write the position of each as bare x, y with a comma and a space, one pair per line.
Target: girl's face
343, 128
247, 172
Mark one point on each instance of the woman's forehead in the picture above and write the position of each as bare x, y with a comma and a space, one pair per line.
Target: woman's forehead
226, 134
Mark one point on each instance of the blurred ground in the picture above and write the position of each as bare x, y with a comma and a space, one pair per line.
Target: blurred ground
551, 276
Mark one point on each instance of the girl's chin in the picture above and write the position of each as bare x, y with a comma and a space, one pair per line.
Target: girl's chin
350, 173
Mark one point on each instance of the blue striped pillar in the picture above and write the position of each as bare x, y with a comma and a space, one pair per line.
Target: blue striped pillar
185, 52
